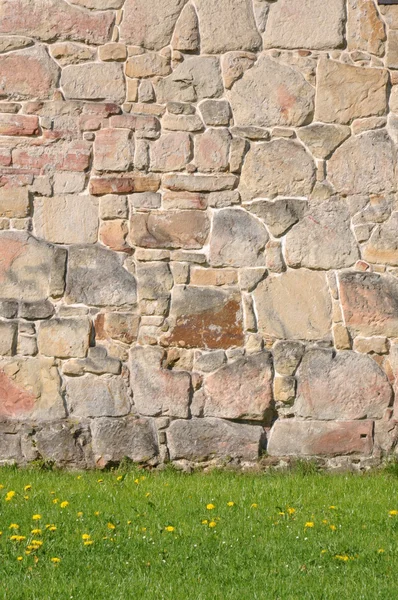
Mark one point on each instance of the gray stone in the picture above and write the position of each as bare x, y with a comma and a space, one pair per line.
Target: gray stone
215, 112
280, 214
148, 23
186, 36
10, 443
154, 280
8, 337
97, 362
60, 443
382, 247
287, 356
196, 78
210, 361
322, 139
93, 396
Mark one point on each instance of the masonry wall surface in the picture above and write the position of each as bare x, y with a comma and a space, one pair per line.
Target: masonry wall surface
198, 230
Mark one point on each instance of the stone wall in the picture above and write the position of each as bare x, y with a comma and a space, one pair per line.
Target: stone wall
199, 230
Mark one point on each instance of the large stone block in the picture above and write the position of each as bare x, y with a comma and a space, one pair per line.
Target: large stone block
341, 386
113, 150
30, 389
64, 338
186, 229
186, 33
383, 244
62, 443
345, 92
205, 318
94, 396
238, 239
27, 74
279, 215
14, 202
277, 168
212, 150
198, 183
97, 277
115, 439
67, 219
295, 305
322, 139
365, 27
158, 391
207, 439
241, 390
10, 443
272, 93
19, 125
171, 152
154, 280
94, 81
290, 437
370, 303
196, 78
217, 21
305, 24
149, 23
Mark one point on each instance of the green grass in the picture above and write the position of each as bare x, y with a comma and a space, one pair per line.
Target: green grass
252, 552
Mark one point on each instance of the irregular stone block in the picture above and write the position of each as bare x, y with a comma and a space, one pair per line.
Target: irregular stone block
302, 24
115, 439
8, 338
154, 280
272, 93
365, 27
117, 326
149, 64
287, 356
113, 234
278, 168
171, 152
175, 229
234, 65
373, 345
88, 269
238, 239
14, 202
70, 156
364, 164
343, 386
345, 92
113, 150
94, 81
93, 396
27, 74
19, 125
215, 112
382, 247
100, 186
10, 443
64, 338
241, 390
205, 439
30, 389
69, 183
217, 23
60, 443
212, 150
69, 53
284, 389
308, 317
198, 183
205, 318
67, 219
145, 126
278, 215
140, 28
186, 36
156, 390
290, 437
98, 362
196, 78
113, 51
370, 303
322, 139
8, 43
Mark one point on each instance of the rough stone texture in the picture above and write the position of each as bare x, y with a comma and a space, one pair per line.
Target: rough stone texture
93, 396
113, 150
186, 33
322, 139
64, 338
94, 81
366, 30
115, 439
150, 24
67, 219
196, 78
278, 215
184, 229
382, 247
27, 74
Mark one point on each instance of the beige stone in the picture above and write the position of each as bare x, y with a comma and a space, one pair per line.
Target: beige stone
272, 93
234, 65
199, 183
8, 43
117, 326
208, 276
322, 139
98, 4
295, 305
8, 337
365, 28
182, 122
113, 234
284, 389
186, 33
148, 65
14, 202
372, 345
113, 207
341, 337
93, 396
392, 50
70, 219
70, 53
113, 150
278, 215
94, 81
382, 246
212, 150
113, 51
64, 338
171, 152
27, 74
174, 229
287, 356
140, 28
154, 280
303, 24
196, 78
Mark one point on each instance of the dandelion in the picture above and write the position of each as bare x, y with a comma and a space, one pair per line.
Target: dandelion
86, 536
55, 560
100, 480
323, 551
1, 533
120, 478
170, 528
79, 514
212, 524
309, 524
64, 504
19, 558
52, 528
55, 501
136, 481
393, 513
36, 532
18, 538
333, 527
381, 551
291, 511
342, 557
37, 543
332, 507
111, 526
27, 488
205, 522
1, 486
9, 496
14, 526
36, 517
96, 514
129, 522
254, 505
230, 503
210, 506
88, 543
281, 514
325, 521
143, 529
147, 495
26, 497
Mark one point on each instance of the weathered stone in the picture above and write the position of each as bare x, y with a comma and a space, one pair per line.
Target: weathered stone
18, 125
199, 183
370, 303
30, 270
287, 356
302, 24
215, 112
67, 219
36, 310
146, 200
88, 268
8, 338
238, 239
64, 338
392, 52
14, 202
196, 78
182, 122
113, 51
59, 443
171, 152
278, 215
207, 276
94, 81
322, 139
113, 150
223, 199
100, 186
205, 318
97, 362
383, 244
212, 150
323, 239
345, 92
343, 386
50, 20
234, 65
148, 65
145, 126
278, 168
154, 280
173, 229
93, 396
140, 28
72, 156
69, 183
146, 94
365, 28
341, 337
30, 388
117, 326
186, 33
158, 391
210, 361
116, 439
10, 443
69, 53
113, 207
307, 318
98, 4
364, 165
290, 437
241, 390
184, 201
217, 23
272, 93
8, 43
27, 74
113, 234
373, 345
284, 389
214, 439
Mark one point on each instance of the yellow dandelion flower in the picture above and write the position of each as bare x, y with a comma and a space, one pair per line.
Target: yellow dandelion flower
79, 477
212, 524
18, 538
342, 557
309, 524
36, 517
170, 528
10, 495
36, 559
26, 497
136, 481
52, 493
393, 513
14, 526
52, 528
80, 514
281, 514
333, 527
147, 494
111, 526
100, 480
143, 529
332, 507
64, 504
86, 536
19, 558
254, 505
55, 560
37, 543
210, 506
381, 550
36, 532
231, 503
1, 533
325, 521
1, 486
129, 522
119, 478
323, 551
205, 522
56, 500
96, 514
291, 511
27, 488
88, 543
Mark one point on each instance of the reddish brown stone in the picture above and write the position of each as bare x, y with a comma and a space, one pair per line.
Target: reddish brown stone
5, 157
18, 125
14, 399
182, 229
319, 438
113, 150
99, 186
117, 326
113, 234
73, 156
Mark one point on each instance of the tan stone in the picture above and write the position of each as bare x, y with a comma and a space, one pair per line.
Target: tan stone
241, 390
294, 305
8, 43
278, 168
373, 345
132, 90
278, 215
8, 338
98, 4
287, 356
215, 112
365, 28
70, 219
18, 125
290, 437
186, 33
202, 277
113, 207
101, 186
117, 326
171, 152
341, 337
93, 396
212, 150
140, 28
113, 234
148, 65
27, 74
196, 78
145, 126
174, 229
218, 21
392, 50
302, 24
184, 201
14, 202
182, 122
199, 183
271, 93
322, 139
383, 244
284, 389
94, 81
113, 51
360, 125
234, 65
70, 53
113, 150
154, 280
64, 338
345, 92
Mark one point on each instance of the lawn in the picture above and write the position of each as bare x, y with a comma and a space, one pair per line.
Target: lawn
132, 534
